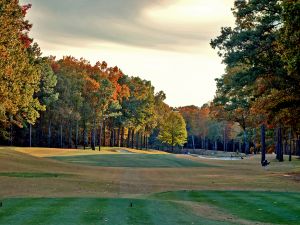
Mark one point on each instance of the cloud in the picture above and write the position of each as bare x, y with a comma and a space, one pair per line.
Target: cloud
157, 24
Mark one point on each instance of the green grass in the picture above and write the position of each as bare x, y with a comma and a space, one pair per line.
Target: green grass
269, 207
132, 160
30, 174
67, 211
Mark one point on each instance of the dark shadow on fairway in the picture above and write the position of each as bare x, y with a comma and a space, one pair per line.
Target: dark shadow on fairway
132, 160
31, 174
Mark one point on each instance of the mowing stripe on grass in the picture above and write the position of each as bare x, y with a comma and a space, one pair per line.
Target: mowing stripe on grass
250, 205
92, 211
133, 160
70, 214
247, 205
117, 211
79, 211
284, 204
138, 214
17, 211
170, 213
47, 213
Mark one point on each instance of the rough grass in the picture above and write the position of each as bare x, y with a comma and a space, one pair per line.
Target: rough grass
133, 161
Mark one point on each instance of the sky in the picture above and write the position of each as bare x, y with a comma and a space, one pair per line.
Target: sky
164, 41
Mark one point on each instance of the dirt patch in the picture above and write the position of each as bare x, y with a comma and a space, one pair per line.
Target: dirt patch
294, 176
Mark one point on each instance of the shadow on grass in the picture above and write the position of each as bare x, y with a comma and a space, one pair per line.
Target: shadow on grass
132, 160
31, 174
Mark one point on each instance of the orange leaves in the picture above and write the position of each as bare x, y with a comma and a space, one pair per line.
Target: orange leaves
125, 91
114, 75
196, 119
25, 8
93, 76
25, 40
91, 84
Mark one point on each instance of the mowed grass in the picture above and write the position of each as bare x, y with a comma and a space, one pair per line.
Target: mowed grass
132, 160
98, 189
163, 208
268, 207
67, 211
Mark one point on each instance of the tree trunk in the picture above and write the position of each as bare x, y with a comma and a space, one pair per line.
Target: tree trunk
224, 139
285, 146
84, 135
49, 134
290, 145
254, 141
298, 147
141, 141
30, 134
207, 143
263, 143
104, 133
132, 138
146, 142
276, 141
57, 140
61, 136
280, 150
111, 138
246, 142
118, 137
93, 135
70, 135
122, 137
128, 137
100, 135
193, 142
137, 140
76, 136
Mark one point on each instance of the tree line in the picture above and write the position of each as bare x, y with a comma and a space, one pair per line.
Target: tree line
69, 102
260, 89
